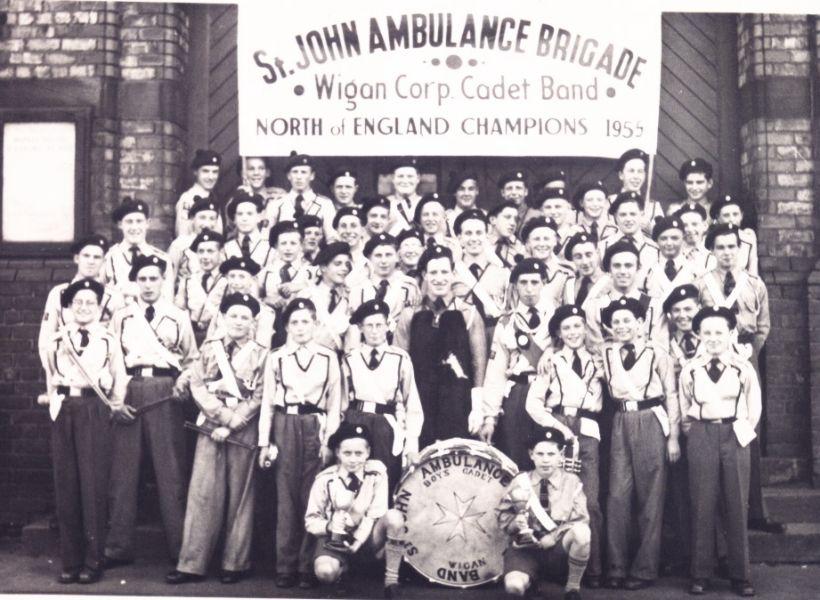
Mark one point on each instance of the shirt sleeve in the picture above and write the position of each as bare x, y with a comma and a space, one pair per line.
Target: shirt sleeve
317, 507
120, 377
666, 371
763, 319
536, 403
270, 382
752, 394
401, 338
478, 348
495, 378
413, 413
686, 393
333, 398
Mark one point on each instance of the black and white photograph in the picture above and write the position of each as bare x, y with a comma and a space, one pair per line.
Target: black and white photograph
422, 299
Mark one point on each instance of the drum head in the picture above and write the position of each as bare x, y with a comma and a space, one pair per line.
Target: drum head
449, 502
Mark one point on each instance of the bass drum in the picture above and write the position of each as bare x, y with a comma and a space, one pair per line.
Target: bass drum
449, 500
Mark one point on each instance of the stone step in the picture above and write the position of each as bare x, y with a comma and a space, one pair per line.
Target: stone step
793, 504
799, 544
777, 470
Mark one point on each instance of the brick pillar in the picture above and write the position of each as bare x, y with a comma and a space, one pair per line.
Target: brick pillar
778, 177
151, 145
814, 278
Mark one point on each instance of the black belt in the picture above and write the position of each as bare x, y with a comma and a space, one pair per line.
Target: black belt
490, 321
523, 378
725, 420
85, 392
379, 409
571, 411
622, 405
746, 338
155, 371
299, 409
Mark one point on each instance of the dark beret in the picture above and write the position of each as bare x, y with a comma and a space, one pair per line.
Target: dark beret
146, 260
128, 206
67, 295
496, 210
714, 311
235, 299
584, 189
581, 237
475, 214
205, 158
553, 176
280, 228
369, 203
410, 233
695, 165
431, 253
528, 266
298, 160
331, 251
201, 204
535, 223
629, 155
691, 207
207, 235
239, 263
540, 434
664, 224
404, 161
348, 211
720, 204
348, 431
616, 248
241, 196
308, 221
427, 199
297, 304
681, 292
92, 239
382, 239
631, 304
457, 179
342, 171
625, 197
506, 178
371, 307
561, 314
720, 229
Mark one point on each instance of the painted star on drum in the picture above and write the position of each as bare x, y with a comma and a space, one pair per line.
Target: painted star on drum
460, 517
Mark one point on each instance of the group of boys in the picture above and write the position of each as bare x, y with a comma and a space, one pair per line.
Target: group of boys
337, 331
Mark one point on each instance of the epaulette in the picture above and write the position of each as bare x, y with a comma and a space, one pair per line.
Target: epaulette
374, 467
327, 471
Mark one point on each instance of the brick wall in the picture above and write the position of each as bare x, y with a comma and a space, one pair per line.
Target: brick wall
777, 168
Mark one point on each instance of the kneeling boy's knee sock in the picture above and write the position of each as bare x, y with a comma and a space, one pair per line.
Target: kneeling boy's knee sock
393, 552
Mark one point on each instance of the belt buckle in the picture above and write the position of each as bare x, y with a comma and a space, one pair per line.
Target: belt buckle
570, 411
631, 405
147, 371
292, 409
75, 391
368, 407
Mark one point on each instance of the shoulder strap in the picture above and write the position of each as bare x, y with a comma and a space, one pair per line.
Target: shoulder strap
77, 363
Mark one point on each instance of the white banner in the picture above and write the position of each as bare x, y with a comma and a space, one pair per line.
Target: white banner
484, 78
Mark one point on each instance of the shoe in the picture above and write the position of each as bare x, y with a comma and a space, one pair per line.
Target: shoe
767, 526
87, 575
229, 577
592, 582
285, 580
698, 587
635, 583
572, 595
108, 562
615, 583
69, 576
742, 587
391, 591
306, 581
176, 577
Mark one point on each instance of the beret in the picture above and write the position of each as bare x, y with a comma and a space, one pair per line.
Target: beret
239, 263
331, 251
207, 235
298, 160
714, 311
616, 248
201, 204
561, 314
540, 434
343, 171
404, 161
297, 304
664, 224
67, 295
681, 292
408, 234
553, 176
584, 189
348, 211
506, 178
625, 197
496, 210
473, 213
528, 266
427, 199
632, 154
348, 431
204, 158
581, 237
308, 221
146, 260
128, 206
382, 239
631, 304
720, 229
241, 196
369, 203
720, 204
535, 223
691, 207
237, 299
280, 228
433, 252
695, 165
371, 307
457, 179
92, 239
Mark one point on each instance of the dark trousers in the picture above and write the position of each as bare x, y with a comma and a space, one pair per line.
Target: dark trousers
381, 435
297, 438
718, 476
80, 439
515, 426
159, 428
675, 535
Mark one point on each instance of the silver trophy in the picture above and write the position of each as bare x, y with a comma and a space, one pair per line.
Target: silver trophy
340, 534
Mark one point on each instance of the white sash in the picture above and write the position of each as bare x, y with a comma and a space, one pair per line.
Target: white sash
144, 330
491, 309
717, 293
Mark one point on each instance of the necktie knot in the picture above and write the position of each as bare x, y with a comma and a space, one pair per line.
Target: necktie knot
475, 269
729, 284
284, 274
629, 356
299, 210
576, 364
374, 359
83, 337
334, 300
382, 291
205, 277
534, 320
593, 230
230, 348
688, 345
150, 311
135, 252
544, 494
714, 369
431, 241
669, 270
583, 289
438, 304
354, 484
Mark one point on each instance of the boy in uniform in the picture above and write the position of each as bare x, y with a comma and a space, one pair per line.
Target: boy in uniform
349, 227
696, 176
377, 216
196, 288
693, 218
431, 219
541, 238
205, 166
721, 406
158, 344
641, 383
730, 210
591, 204
301, 200
203, 214
582, 250
410, 244
405, 196
554, 518
343, 186
503, 225
301, 401
512, 187
673, 268
632, 166
520, 338
626, 210
380, 391
312, 236
131, 217
555, 205
226, 385
463, 187
80, 434
245, 210
567, 396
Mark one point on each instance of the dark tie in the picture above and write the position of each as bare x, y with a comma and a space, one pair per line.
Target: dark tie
334, 301
205, 277
499, 250
230, 348
629, 358
431, 241
479, 305
475, 269
593, 230
714, 369
298, 209
670, 270
576, 364
149, 313
284, 274
374, 359
83, 339
438, 304
583, 290
135, 252
382, 291
630, 239
544, 495
354, 484
688, 345
246, 246
535, 320
729, 284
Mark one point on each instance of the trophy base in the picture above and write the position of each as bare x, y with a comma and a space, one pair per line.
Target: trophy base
525, 544
337, 546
